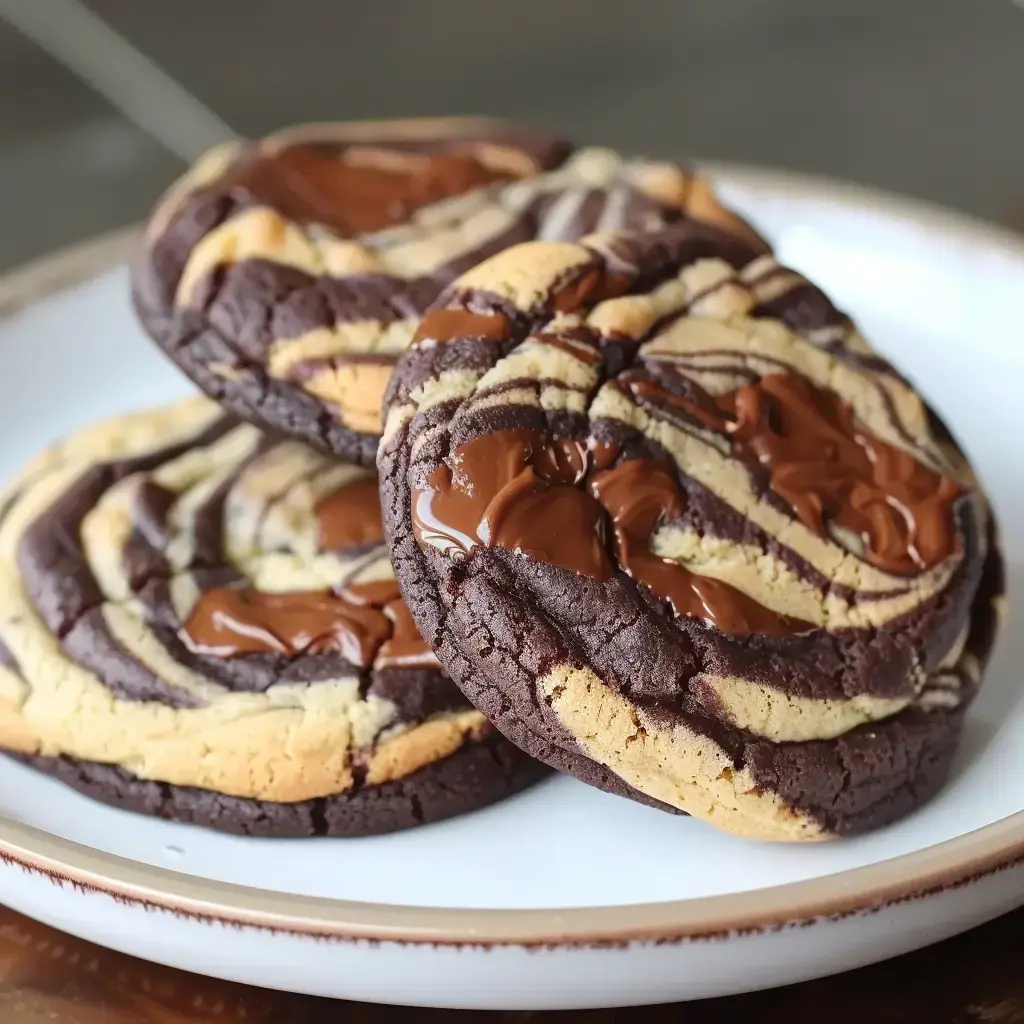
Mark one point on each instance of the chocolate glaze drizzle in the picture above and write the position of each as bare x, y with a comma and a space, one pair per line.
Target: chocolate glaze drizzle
357, 190
552, 499
827, 468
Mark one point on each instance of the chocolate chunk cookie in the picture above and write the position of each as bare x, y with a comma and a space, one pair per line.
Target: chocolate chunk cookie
201, 623
286, 276
672, 525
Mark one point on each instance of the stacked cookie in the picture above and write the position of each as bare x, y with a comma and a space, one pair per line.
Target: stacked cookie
678, 531
659, 516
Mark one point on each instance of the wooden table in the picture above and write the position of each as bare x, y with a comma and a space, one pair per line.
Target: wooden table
46, 976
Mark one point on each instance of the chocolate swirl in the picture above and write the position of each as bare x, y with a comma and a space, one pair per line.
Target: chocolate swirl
357, 191
680, 492
196, 605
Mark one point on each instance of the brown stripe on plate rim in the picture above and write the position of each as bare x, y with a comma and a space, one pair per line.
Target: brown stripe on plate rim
910, 877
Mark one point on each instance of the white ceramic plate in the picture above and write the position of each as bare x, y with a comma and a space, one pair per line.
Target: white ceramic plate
563, 896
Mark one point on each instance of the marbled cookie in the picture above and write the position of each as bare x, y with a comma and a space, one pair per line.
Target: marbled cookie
286, 276
676, 529
201, 623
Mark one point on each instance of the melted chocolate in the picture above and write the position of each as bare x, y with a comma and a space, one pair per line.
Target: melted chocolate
518, 490
358, 190
376, 593
404, 647
442, 325
828, 469
514, 489
349, 518
638, 495
586, 287
229, 621
367, 623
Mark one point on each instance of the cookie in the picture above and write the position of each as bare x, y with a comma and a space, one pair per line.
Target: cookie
672, 525
286, 276
201, 623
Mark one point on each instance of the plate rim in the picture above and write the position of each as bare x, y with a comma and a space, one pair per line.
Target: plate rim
913, 876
